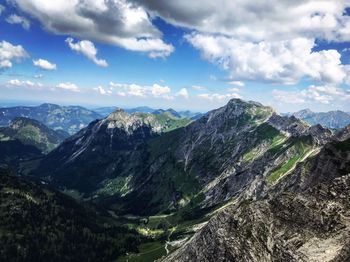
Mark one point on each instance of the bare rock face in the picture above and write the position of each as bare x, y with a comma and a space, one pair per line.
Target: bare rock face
305, 217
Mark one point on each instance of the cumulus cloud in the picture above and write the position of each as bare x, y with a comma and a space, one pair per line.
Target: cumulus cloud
218, 97
88, 49
30, 85
10, 53
318, 94
183, 93
68, 86
260, 40
44, 64
117, 22
103, 91
286, 61
135, 90
27, 83
237, 83
158, 90
16, 19
257, 21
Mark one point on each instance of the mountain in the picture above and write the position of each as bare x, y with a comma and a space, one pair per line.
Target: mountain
179, 114
67, 118
241, 183
305, 217
191, 115
105, 111
102, 157
38, 223
332, 119
169, 111
130, 164
32, 132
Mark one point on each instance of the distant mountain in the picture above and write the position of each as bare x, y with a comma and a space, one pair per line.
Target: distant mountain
41, 224
169, 111
129, 163
191, 115
105, 111
180, 114
32, 132
68, 118
105, 153
332, 119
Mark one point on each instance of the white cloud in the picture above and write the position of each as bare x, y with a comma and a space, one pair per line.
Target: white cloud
199, 88
16, 19
103, 91
27, 83
116, 22
279, 61
2, 9
158, 90
9, 52
237, 83
135, 90
44, 64
88, 49
183, 93
68, 86
318, 94
268, 41
256, 21
218, 97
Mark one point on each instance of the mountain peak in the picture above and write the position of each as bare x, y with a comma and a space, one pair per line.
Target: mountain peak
48, 106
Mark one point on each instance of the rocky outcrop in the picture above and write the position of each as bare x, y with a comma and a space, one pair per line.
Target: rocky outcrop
305, 217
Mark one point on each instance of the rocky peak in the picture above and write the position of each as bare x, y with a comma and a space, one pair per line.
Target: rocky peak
303, 113
344, 134
131, 122
320, 134
290, 125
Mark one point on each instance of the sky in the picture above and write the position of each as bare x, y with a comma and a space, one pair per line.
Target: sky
196, 55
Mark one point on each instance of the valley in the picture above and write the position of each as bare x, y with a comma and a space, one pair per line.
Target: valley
167, 179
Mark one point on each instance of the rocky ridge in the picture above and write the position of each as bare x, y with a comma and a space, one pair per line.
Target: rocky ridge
304, 217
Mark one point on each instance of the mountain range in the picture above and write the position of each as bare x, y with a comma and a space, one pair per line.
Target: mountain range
32, 132
332, 119
67, 118
104, 111
241, 183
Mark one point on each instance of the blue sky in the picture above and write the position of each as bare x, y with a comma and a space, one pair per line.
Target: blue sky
183, 55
